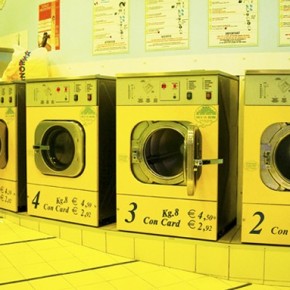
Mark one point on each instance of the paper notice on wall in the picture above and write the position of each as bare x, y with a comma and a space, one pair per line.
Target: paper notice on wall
233, 23
166, 24
110, 26
284, 22
49, 25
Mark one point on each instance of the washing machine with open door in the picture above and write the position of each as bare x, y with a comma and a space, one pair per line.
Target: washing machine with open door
177, 153
12, 146
71, 149
266, 158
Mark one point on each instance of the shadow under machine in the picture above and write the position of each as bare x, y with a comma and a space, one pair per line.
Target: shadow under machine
177, 153
12, 146
71, 149
266, 158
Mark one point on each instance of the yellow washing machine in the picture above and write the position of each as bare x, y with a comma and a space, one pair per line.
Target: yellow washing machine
71, 149
177, 153
266, 162
12, 146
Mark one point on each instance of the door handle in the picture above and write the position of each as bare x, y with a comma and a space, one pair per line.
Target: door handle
191, 170
201, 162
41, 147
193, 158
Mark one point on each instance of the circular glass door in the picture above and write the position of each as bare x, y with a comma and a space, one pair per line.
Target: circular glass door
159, 152
60, 148
282, 157
275, 156
164, 151
3, 144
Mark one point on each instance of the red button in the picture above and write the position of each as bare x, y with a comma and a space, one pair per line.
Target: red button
163, 86
208, 95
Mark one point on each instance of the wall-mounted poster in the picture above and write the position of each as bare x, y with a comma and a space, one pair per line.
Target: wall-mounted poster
233, 23
284, 22
110, 26
49, 25
166, 24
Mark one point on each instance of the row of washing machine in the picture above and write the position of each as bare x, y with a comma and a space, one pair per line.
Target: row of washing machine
159, 152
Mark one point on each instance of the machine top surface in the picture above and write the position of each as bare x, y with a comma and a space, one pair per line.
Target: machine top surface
72, 78
12, 82
267, 72
177, 73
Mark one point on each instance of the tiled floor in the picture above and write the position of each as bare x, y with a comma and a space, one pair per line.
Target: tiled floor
33, 260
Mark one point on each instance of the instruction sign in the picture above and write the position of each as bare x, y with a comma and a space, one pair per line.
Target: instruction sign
110, 26
284, 22
166, 24
233, 22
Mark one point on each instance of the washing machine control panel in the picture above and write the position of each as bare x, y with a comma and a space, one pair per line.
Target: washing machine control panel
166, 90
62, 93
271, 90
8, 95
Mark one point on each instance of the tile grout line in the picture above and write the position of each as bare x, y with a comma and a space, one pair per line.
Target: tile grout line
66, 273
26, 241
240, 286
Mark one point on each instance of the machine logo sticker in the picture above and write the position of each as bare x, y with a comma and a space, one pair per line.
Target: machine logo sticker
9, 115
205, 115
251, 165
88, 116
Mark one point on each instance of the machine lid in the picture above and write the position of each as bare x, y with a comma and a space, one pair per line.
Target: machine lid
12, 82
267, 72
177, 74
72, 78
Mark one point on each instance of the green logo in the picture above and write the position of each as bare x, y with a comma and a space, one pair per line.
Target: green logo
9, 115
88, 116
205, 115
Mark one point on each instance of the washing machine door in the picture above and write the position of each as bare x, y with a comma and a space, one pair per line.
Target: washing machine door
164, 152
3, 144
59, 148
275, 156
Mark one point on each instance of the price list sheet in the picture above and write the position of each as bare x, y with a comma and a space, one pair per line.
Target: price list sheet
110, 26
166, 24
284, 21
232, 23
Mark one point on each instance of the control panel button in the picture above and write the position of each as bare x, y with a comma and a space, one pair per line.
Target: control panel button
189, 96
208, 95
89, 97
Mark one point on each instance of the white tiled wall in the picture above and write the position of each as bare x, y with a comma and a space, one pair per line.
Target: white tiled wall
247, 263
180, 254
232, 63
205, 264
